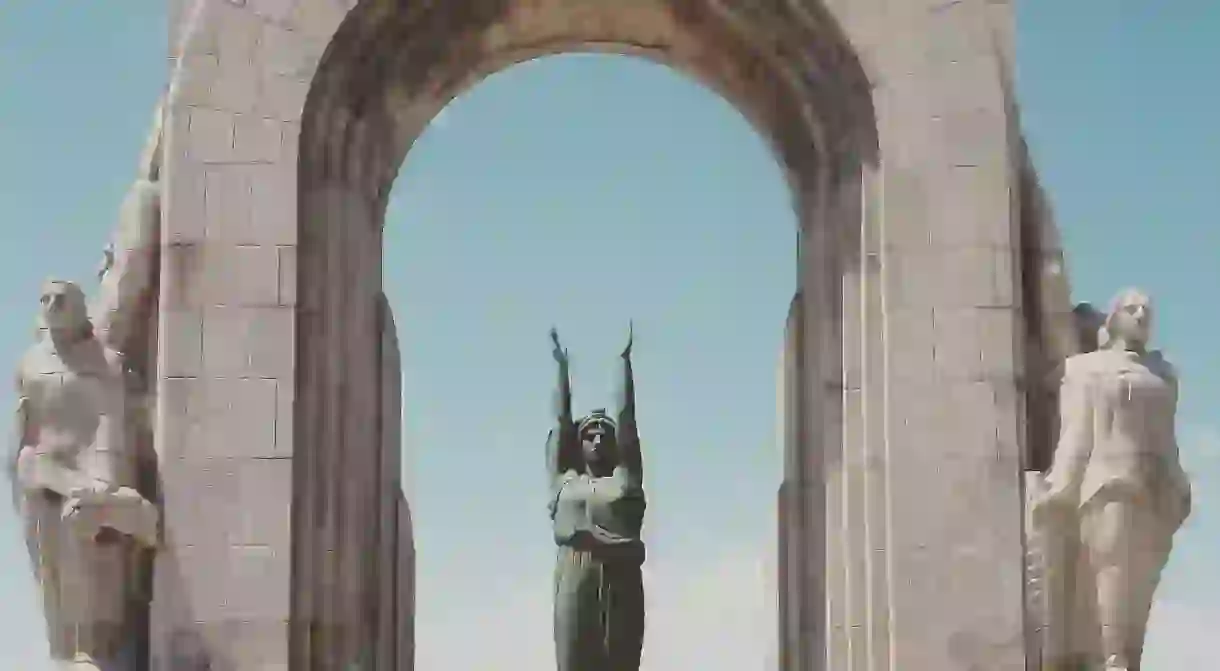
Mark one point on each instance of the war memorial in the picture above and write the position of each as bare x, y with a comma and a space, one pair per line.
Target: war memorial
980, 472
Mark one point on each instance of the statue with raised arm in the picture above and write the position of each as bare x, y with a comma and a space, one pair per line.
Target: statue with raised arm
1115, 493
597, 513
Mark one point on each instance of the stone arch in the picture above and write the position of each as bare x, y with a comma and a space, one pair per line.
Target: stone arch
385, 74
286, 123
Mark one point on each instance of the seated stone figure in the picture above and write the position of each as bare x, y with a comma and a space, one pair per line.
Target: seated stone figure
1114, 496
73, 475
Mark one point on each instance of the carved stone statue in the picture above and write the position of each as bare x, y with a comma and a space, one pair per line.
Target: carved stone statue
127, 274
597, 512
73, 475
1114, 496
80, 467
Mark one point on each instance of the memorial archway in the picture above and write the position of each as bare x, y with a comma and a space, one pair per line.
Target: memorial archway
686, 209
382, 80
295, 116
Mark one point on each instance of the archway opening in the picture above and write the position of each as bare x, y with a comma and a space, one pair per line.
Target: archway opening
585, 191
385, 75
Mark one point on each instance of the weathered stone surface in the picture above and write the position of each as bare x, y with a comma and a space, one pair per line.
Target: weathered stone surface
278, 162
390, 621
74, 470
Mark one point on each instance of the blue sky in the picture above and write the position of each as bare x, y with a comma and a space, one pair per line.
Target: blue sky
585, 191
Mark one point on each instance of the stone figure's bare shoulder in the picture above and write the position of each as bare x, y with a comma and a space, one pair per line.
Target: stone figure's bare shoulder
25, 365
1084, 367
98, 359
1080, 368
89, 357
37, 360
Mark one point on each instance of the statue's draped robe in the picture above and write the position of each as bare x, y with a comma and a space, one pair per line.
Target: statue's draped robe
119, 571
599, 593
1117, 461
74, 414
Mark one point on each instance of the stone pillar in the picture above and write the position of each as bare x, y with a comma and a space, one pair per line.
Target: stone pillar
405, 587
223, 417
817, 403
951, 332
793, 537
915, 420
784, 639
226, 366
857, 520
359, 452
388, 617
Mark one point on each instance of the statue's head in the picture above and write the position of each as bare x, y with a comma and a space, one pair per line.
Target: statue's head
599, 446
1129, 320
63, 307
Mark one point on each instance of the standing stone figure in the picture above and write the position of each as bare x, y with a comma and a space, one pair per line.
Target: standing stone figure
81, 470
597, 512
72, 474
79, 466
1114, 496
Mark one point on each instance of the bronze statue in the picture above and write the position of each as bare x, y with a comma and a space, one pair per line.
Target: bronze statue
597, 512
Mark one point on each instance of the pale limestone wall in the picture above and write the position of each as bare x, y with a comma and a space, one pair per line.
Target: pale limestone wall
902, 165
928, 535
226, 357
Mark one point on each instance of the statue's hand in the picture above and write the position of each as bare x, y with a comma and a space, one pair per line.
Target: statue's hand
560, 354
95, 490
630, 339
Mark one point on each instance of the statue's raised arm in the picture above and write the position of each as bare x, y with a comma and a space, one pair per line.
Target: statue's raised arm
561, 441
628, 433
